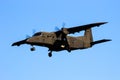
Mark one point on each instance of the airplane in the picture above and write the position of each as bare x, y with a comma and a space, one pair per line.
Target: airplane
59, 40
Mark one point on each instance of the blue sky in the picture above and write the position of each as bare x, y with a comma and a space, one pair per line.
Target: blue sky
19, 17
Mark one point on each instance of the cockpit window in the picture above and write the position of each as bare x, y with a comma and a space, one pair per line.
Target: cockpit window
37, 34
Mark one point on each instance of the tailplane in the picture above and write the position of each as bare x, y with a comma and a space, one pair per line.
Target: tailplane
100, 41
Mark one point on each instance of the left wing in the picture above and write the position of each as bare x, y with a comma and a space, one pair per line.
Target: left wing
80, 28
84, 27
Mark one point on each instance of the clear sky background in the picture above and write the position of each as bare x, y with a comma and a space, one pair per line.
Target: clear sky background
19, 17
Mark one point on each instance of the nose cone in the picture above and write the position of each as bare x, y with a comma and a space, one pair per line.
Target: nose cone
19, 43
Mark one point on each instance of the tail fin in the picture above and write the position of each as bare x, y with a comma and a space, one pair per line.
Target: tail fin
100, 41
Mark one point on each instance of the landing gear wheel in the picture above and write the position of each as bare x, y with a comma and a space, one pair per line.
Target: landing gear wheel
32, 49
50, 54
69, 50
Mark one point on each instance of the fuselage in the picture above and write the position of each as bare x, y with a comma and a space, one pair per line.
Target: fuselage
55, 43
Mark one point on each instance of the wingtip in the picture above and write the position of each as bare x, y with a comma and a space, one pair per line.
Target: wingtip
103, 23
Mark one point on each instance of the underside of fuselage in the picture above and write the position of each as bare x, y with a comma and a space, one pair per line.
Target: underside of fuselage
62, 45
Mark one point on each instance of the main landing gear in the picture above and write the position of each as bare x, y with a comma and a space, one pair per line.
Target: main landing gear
50, 54
32, 49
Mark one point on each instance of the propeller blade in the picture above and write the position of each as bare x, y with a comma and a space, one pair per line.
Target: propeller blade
56, 28
28, 36
33, 31
63, 24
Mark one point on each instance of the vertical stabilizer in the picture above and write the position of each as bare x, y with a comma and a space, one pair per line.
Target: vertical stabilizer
88, 38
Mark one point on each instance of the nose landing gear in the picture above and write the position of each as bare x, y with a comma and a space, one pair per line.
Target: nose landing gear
32, 49
50, 54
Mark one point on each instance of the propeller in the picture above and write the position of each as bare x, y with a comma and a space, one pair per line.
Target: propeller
28, 36
64, 36
62, 33
33, 32
58, 29
63, 24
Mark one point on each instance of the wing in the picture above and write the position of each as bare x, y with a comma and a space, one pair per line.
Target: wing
72, 30
84, 27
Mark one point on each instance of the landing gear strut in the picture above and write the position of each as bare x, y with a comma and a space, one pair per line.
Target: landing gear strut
32, 49
50, 54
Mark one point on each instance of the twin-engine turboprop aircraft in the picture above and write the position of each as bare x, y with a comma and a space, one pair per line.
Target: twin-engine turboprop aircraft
59, 40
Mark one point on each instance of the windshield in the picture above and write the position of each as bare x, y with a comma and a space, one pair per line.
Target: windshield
37, 34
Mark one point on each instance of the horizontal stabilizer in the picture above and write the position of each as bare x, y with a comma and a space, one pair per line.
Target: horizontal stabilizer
100, 41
